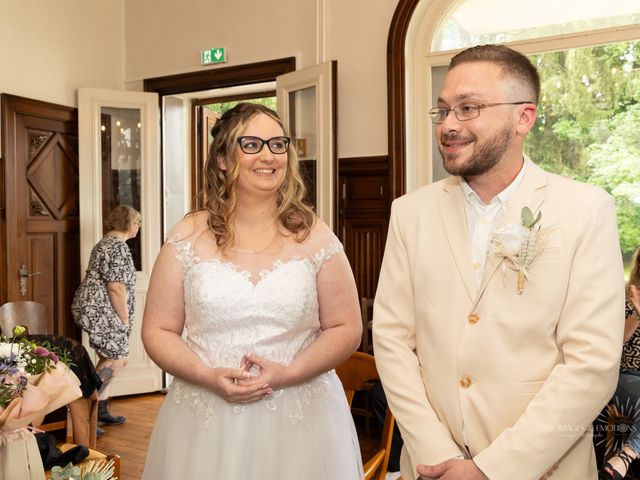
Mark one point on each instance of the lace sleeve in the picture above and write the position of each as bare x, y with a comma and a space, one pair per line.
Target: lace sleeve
326, 253
184, 253
181, 236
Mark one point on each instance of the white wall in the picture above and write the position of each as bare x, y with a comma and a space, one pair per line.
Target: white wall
50, 48
165, 37
357, 33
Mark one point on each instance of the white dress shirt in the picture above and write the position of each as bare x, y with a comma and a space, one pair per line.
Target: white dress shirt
482, 219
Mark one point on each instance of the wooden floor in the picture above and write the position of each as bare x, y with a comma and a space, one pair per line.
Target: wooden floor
131, 439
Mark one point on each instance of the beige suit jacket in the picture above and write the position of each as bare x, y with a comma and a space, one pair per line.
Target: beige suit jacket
523, 376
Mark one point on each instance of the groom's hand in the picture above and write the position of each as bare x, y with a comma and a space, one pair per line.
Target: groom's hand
452, 469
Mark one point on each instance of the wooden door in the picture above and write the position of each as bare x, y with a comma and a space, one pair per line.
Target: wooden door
205, 120
40, 234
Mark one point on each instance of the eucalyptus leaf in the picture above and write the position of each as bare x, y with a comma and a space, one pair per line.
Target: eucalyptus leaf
527, 217
538, 217
60, 473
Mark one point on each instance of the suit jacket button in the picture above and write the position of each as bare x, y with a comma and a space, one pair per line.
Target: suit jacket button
465, 382
473, 318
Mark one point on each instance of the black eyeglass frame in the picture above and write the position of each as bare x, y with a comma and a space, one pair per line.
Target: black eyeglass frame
262, 141
435, 112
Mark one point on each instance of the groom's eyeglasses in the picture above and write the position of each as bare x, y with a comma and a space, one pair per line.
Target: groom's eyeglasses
464, 111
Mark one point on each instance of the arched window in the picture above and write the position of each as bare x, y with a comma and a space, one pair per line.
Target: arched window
588, 54
476, 22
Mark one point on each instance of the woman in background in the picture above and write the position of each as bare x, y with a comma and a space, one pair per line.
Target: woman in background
104, 303
627, 396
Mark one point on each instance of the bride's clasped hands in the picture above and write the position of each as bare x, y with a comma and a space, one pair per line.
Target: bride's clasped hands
236, 385
267, 372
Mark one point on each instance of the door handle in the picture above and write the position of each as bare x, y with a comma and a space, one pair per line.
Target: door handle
24, 275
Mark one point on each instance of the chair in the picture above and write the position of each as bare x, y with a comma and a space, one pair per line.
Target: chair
366, 307
32, 315
355, 374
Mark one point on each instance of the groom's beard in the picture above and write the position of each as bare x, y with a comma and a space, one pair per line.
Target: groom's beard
484, 157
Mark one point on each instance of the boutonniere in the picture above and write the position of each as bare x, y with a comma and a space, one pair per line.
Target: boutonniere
520, 244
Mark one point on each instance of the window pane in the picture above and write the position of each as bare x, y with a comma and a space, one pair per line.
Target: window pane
121, 165
475, 22
587, 125
304, 131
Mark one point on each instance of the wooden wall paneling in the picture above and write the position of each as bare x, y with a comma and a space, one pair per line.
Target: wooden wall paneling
363, 217
364, 246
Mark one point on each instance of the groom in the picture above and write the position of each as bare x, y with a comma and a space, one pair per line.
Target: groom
499, 312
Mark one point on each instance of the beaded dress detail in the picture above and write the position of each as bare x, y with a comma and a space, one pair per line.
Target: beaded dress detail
263, 303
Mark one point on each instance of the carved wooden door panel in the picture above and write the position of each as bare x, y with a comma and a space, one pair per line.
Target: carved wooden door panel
41, 229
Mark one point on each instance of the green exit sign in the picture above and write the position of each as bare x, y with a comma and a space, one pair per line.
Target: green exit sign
215, 55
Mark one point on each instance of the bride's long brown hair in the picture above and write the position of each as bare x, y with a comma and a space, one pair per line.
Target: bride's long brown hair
218, 196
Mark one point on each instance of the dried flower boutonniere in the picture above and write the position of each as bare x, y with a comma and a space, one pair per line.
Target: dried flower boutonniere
520, 244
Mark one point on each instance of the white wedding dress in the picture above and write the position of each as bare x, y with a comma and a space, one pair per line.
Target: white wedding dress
267, 304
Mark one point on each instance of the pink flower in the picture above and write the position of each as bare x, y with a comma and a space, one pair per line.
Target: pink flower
54, 358
41, 352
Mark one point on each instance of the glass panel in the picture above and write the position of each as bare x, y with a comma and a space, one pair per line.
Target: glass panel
304, 131
588, 119
475, 22
437, 168
36, 207
121, 165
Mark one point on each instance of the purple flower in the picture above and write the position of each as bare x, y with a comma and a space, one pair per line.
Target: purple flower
54, 358
40, 351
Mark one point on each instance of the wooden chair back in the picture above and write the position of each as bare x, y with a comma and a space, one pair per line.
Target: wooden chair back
32, 315
356, 373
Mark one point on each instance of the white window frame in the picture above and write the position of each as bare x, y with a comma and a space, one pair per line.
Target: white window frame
419, 60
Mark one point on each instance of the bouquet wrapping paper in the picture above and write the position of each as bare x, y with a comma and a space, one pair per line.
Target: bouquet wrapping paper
45, 392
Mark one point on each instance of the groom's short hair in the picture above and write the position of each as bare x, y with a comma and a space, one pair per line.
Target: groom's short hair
512, 63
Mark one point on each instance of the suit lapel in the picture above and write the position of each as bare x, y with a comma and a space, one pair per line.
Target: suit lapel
530, 194
455, 226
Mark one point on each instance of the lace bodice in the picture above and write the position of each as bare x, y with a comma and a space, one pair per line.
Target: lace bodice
264, 303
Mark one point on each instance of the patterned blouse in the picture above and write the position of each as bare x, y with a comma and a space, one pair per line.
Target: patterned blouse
92, 309
631, 349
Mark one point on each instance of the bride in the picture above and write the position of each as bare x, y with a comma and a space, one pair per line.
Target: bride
268, 304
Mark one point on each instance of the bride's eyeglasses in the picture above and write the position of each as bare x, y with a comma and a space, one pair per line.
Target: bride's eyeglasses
252, 145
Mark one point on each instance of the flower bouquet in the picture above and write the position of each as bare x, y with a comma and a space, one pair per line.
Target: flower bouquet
34, 380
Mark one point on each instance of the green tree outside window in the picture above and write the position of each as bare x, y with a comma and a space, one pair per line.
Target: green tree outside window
588, 125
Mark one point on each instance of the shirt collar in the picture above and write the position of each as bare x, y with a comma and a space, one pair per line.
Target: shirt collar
502, 197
